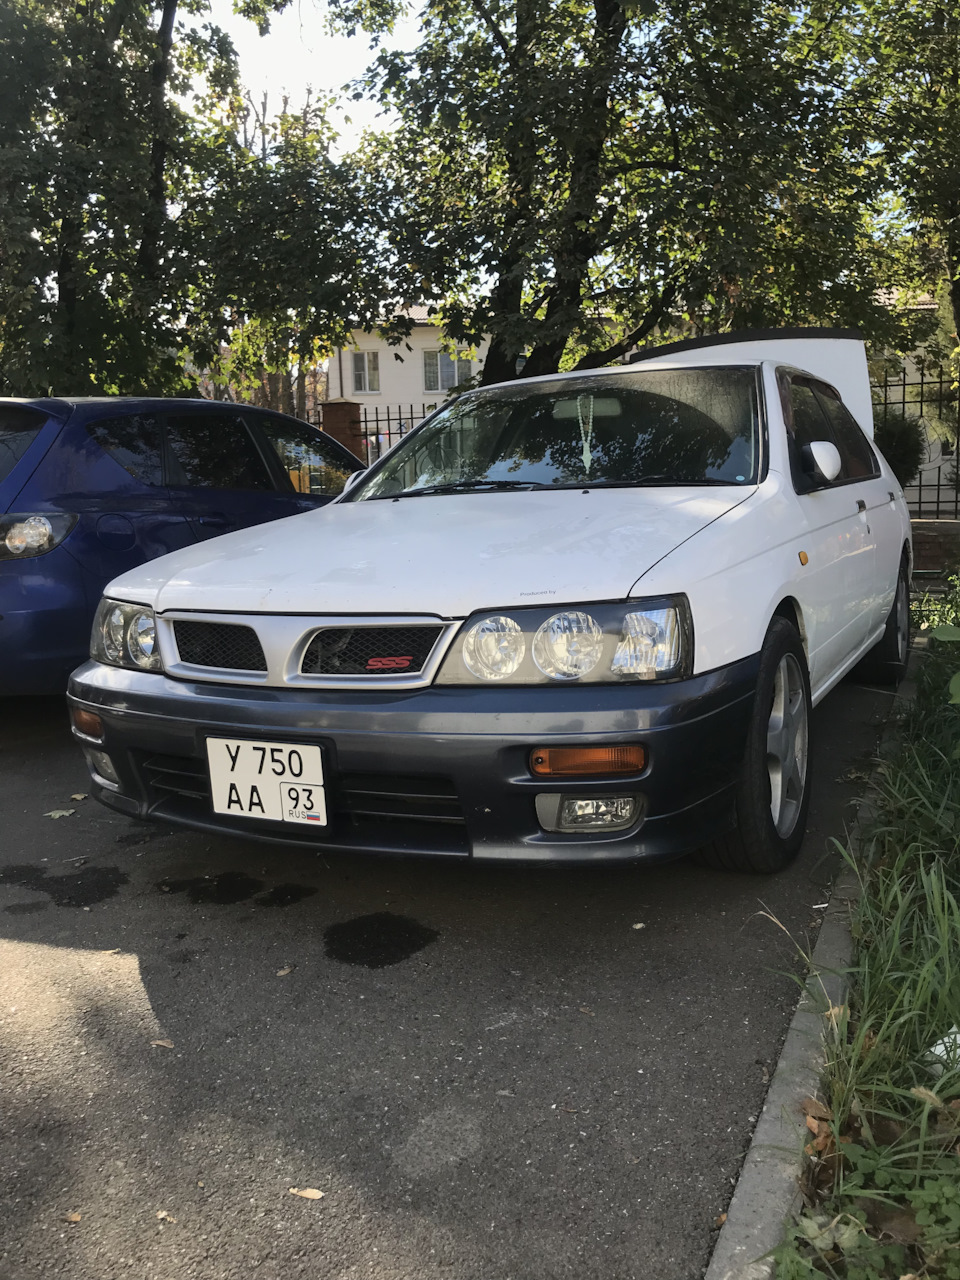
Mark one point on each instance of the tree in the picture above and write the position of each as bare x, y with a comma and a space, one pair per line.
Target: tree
138, 228
907, 56
284, 248
573, 175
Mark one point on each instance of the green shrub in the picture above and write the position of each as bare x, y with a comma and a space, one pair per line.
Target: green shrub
902, 441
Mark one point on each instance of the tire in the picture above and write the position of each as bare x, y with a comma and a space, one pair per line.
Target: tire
773, 793
886, 663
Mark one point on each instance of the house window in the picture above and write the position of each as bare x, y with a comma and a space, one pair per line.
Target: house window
366, 371
442, 372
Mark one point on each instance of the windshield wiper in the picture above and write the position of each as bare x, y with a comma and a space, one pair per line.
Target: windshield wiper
659, 482
466, 486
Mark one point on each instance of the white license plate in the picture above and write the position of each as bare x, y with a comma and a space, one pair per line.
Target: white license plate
281, 781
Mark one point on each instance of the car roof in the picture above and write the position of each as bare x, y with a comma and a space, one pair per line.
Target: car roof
63, 406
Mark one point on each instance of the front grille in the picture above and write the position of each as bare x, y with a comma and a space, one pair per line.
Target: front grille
366, 651
385, 795
177, 776
220, 644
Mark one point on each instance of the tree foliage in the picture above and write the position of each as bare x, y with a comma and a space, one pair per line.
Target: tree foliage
907, 59
573, 175
140, 226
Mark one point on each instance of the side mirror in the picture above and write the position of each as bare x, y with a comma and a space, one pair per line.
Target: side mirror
354, 476
821, 460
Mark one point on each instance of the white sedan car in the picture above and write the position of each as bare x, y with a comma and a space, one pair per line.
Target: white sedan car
573, 618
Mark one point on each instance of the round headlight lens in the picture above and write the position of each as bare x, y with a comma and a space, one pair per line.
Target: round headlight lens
113, 634
142, 639
30, 535
568, 645
493, 648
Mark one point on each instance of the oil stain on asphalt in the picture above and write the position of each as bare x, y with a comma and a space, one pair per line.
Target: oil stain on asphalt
234, 886
377, 940
80, 889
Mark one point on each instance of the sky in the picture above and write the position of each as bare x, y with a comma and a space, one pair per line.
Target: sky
298, 53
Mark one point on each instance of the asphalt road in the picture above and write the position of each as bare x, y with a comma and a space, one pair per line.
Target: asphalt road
505, 1074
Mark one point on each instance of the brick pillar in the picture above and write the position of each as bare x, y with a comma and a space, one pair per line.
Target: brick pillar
342, 420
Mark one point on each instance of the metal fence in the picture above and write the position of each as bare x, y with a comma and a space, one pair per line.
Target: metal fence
384, 425
931, 398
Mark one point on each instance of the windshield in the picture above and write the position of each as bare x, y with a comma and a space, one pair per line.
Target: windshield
655, 427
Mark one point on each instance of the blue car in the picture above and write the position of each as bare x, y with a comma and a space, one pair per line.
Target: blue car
92, 487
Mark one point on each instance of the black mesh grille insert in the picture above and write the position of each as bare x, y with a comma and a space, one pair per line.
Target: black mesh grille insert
384, 795
369, 651
220, 644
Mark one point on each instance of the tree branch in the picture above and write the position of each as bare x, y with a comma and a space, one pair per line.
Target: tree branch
663, 302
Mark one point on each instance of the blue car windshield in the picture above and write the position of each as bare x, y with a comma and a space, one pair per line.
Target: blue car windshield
19, 426
654, 427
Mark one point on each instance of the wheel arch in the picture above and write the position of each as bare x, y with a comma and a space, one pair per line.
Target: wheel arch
790, 609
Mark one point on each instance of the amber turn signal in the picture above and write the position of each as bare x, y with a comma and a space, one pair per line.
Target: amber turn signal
87, 722
587, 762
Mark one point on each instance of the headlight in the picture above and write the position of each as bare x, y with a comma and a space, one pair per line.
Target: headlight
593, 644
24, 536
125, 635
568, 645
493, 648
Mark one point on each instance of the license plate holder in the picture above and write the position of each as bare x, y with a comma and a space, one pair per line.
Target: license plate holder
272, 781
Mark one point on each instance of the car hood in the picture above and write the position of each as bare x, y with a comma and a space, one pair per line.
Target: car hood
444, 555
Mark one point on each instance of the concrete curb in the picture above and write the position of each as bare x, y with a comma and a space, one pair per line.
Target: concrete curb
767, 1192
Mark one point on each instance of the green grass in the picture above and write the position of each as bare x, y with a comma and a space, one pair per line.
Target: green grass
882, 1173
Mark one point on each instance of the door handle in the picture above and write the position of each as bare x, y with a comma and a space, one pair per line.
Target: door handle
861, 505
215, 522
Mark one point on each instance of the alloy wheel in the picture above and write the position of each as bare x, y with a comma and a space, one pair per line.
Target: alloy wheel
787, 740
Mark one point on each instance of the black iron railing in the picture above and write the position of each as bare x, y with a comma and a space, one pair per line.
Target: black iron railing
931, 398
384, 425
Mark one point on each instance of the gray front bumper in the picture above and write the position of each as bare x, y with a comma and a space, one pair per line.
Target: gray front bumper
437, 770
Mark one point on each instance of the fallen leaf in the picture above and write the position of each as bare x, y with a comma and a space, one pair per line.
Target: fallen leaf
59, 813
308, 1193
584, 1009
720, 1220
79, 795
811, 1107
639, 926
163, 1216
113, 951
162, 1044
282, 973
71, 1217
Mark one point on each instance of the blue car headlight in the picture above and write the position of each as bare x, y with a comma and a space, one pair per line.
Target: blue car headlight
26, 535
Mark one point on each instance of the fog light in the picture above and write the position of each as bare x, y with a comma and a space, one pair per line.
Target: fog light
87, 722
101, 764
581, 762
587, 813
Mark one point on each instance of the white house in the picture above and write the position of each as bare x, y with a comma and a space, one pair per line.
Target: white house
420, 371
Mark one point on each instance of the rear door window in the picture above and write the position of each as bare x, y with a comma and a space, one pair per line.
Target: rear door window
213, 451
19, 426
134, 442
313, 464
